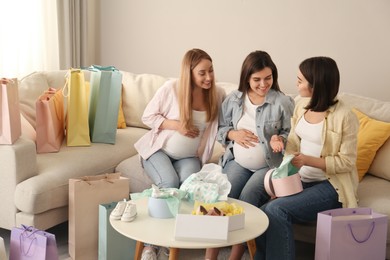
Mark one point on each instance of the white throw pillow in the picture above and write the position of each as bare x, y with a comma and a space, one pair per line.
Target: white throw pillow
138, 90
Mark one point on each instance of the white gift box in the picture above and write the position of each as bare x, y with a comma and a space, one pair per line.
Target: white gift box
206, 228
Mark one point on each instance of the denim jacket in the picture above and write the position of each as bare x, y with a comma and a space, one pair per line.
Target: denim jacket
273, 117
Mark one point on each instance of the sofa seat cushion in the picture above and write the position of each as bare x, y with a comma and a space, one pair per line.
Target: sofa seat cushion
374, 192
132, 169
138, 90
49, 189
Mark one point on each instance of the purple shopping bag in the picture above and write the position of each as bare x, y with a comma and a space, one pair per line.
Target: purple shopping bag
32, 244
351, 233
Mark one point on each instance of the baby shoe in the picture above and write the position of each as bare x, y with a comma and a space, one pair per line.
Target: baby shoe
130, 212
118, 210
149, 253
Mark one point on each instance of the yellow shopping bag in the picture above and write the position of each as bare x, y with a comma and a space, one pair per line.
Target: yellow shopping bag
77, 127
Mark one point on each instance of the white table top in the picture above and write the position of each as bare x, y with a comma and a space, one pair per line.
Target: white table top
160, 232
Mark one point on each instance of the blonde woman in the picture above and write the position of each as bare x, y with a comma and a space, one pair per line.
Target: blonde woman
183, 117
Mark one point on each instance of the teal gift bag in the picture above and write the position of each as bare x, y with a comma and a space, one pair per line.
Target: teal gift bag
112, 245
105, 95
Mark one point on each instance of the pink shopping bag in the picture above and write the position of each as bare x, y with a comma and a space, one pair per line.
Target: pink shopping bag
33, 244
50, 127
10, 124
351, 233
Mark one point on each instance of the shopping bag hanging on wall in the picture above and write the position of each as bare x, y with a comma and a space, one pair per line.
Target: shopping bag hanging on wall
50, 121
351, 233
77, 92
31, 243
10, 124
106, 87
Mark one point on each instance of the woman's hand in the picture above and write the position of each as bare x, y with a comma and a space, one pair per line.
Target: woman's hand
176, 125
243, 137
191, 133
299, 160
276, 143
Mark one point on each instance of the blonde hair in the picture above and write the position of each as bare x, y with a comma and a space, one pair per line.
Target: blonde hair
190, 60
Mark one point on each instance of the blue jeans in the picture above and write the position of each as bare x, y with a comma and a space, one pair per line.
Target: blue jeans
277, 243
167, 172
247, 186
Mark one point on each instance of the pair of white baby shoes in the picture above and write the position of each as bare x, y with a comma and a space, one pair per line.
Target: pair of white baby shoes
125, 211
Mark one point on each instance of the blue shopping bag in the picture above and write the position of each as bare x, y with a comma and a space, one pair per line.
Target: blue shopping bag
105, 95
112, 245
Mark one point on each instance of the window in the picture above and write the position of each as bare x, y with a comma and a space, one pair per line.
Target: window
28, 37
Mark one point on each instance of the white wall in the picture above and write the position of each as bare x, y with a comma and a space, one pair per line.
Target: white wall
151, 36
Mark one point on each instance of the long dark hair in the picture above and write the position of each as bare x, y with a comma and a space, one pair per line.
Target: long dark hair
323, 76
254, 62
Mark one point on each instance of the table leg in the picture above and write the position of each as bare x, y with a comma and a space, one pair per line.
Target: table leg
138, 250
173, 253
251, 248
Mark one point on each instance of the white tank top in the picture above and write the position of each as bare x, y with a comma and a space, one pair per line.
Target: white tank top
180, 146
251, 158
311, 144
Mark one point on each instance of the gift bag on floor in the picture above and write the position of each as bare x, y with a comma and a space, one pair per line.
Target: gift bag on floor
85, 196
112, 245
77, 93
50, 127
351, 233
3, 255
31, 243
10, 124
105, 88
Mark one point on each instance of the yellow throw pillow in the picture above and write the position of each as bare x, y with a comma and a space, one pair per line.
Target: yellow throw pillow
121, 115
371, 136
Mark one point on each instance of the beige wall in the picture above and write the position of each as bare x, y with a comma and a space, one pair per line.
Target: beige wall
151, 36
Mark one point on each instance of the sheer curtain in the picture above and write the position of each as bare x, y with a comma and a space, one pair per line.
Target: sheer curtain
76, 20
29, 37
46, 35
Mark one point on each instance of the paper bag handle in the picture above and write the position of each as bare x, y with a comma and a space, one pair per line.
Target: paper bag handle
109, 177
367, 238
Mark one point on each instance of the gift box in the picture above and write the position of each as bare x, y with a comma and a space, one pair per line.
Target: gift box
192, 227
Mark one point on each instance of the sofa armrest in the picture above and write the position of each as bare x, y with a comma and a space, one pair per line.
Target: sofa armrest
18, 162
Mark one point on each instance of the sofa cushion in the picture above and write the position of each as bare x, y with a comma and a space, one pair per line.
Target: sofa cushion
49, 189
132, 169
372, 134
378, 110
380, 166
28, 130
374, 193
374, 108
138, 90
30, 88
34, 84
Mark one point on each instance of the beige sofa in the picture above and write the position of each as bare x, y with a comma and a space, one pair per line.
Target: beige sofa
34, 187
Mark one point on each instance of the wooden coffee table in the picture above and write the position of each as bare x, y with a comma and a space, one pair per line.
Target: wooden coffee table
160, 232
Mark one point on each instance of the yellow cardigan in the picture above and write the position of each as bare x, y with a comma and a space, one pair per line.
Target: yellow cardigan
339, 148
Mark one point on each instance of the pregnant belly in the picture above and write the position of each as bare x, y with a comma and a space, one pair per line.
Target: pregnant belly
251, 158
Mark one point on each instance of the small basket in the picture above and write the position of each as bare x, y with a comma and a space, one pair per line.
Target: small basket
158, 208
282, 187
